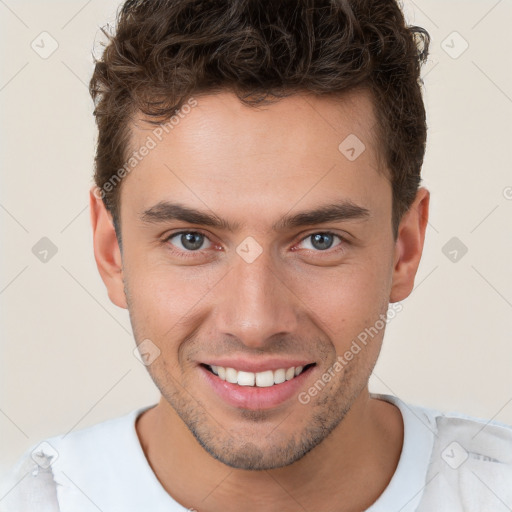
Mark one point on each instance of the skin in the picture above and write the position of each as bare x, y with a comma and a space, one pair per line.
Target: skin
253, 166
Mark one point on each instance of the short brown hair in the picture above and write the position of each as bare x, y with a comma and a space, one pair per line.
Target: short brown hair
164, 51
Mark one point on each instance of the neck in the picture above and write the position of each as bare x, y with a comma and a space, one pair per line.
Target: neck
347, 471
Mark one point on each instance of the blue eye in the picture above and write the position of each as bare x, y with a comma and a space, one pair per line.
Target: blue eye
189, 240
322, 241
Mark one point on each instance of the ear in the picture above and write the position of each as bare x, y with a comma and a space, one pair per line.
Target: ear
106, 249
409, 246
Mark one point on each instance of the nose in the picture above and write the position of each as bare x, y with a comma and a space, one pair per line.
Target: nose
254, 303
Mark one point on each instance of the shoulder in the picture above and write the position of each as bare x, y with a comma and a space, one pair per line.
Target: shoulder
46, 471
479, 437
460, 438
97, 440
470, 463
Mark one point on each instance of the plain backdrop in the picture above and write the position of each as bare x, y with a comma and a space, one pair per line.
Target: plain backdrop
67, 352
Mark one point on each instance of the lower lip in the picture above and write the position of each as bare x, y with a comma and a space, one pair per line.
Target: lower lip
253, 397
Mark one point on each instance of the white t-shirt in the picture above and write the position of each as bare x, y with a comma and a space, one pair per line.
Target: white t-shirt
449, 463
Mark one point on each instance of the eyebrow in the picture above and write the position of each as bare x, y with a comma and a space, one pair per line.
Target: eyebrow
165, 211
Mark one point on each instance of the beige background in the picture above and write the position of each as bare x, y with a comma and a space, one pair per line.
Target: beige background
66, 351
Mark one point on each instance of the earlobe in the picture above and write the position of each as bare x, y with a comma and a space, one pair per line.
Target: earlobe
409, 246
106, 249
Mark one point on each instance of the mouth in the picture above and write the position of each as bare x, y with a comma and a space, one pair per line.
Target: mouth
263, 379
261, 390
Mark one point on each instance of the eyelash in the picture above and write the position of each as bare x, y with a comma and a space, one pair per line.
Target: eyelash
188, 254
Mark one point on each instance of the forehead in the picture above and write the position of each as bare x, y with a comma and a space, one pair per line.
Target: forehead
222, 119
300, 148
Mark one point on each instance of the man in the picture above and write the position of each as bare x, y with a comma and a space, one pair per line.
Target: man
257, 209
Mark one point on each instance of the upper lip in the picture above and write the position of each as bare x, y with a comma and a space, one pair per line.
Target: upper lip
255, 366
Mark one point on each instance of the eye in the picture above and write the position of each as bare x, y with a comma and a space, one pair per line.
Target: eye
194, 241
321, 241
188, 241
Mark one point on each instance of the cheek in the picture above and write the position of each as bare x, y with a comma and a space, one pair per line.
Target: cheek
164, 297
164, 307
349, 300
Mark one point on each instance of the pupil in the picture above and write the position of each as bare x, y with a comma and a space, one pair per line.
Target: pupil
322, 241
192, 241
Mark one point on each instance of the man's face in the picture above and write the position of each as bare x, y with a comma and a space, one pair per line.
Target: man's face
204, 293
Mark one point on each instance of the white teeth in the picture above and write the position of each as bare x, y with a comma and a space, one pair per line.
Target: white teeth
263, 379
246, 378
231, 375
279, 376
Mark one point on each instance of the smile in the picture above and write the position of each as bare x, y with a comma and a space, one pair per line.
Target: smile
261, 379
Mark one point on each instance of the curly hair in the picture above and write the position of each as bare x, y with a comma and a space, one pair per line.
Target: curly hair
165, 51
